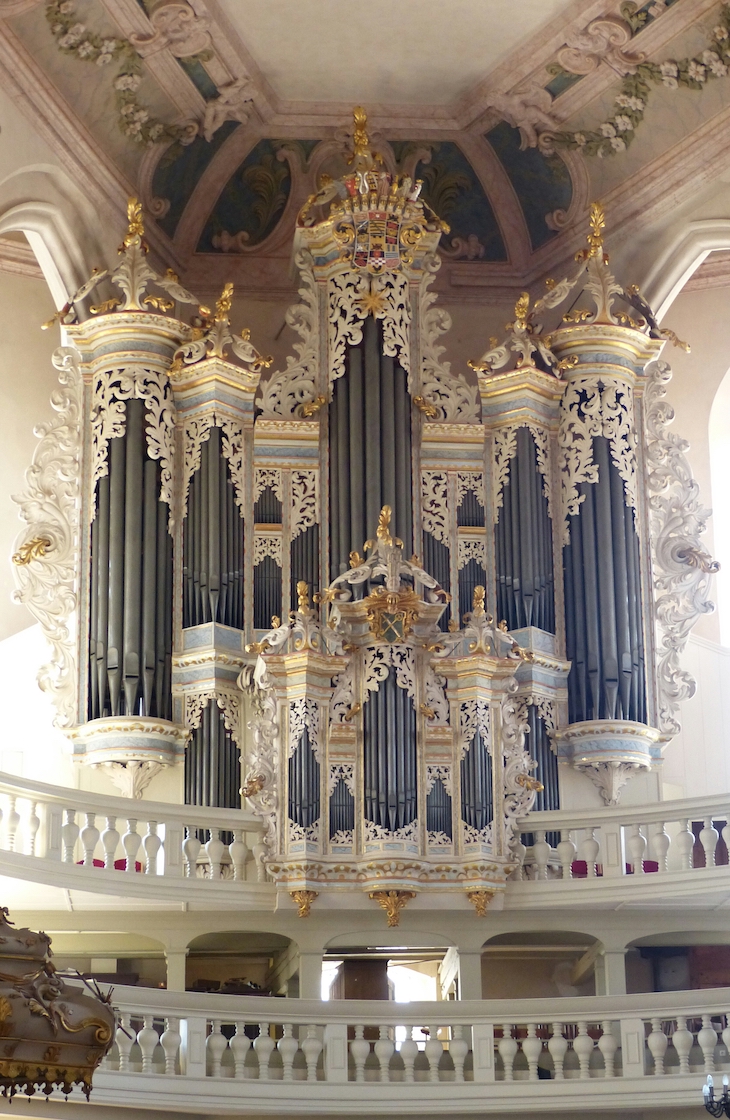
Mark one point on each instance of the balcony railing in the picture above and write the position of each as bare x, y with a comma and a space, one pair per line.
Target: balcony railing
191, 1050
89, 842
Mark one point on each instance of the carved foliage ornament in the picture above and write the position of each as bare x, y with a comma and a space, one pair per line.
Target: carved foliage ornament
304, 713
287, 389
229, 703
304, 505
111, 388
263, 759
682, 567
455, 399
351, 297
50, 508
505, 449
593, 408
434, 504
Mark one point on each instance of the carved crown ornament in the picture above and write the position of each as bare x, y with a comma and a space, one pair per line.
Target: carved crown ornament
369, 220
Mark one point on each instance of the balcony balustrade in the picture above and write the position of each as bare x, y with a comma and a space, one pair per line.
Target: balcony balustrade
114, 845
194, 1051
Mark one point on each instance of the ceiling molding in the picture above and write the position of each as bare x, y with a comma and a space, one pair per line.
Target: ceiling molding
18, 259
714, 272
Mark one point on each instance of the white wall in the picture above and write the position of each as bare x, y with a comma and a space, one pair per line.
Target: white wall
697, 761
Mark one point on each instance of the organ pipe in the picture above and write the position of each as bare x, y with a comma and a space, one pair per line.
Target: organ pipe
389, 747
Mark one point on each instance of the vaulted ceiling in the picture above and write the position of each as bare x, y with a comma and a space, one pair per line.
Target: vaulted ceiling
222, 115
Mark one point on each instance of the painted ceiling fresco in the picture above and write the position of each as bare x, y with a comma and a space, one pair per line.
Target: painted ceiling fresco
168, 94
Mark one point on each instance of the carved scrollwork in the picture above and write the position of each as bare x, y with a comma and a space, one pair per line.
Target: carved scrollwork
264, 545
435, 689
439, 773
267, 476
228, 702
470, 482
456, 400
505, 448
111, 388
474, 716
591, 408
304, 714
343, 696
341, 771
520, 788
196, 431
682, 567
351, 297
434, 503
304, 505
50, 508
261, 775
285, 390
470, 548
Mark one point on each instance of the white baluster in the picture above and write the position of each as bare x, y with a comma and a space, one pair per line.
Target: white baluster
657, 1043
147, 1040
131, 842
458, 1048
240, 1045
532, 1049
384, 1048
726, 1033
583, 1047
89, 839
507, 1047
707, 1039
660, 846
263, 1047
519, 851
110, 842
287, 1047
360, 1049
214, 850
124, 1039
33, 823
312, 1048
708, 839
541, 851
11, 824
558, 1048
259, 855
636, 845
238, 852
409, 1053
151, 844
589, 850
434, 1048
191, 849
608, 1045
69, 834
682, 1041
216, 1045
170, 1040
684, 844
566, 854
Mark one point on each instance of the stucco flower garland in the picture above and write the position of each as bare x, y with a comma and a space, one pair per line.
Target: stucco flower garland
616, 133
74, 38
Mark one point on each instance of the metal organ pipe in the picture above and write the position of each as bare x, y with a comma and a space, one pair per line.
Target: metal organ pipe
604, 634
523, 544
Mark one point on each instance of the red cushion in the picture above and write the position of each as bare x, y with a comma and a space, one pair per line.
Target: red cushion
119, 864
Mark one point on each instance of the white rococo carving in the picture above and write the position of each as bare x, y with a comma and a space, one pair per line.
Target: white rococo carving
439, 773
519, 797
285, 390
438, 840
351, 297
434, 504
470, 482
108, 421
49, 506
469, 548
474, 716
377, 832
603, 40
505, 448
435, 688
261, 774
304, 505
474, 835
341, 771
265, 545
343, 838
310, 834
304, 713
229, 703
591, 407
682, 567
528, 108
343, 696
267, 476
177, 27
196, 431
456, 400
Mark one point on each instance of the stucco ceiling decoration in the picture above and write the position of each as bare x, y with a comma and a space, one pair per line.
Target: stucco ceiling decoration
522, 70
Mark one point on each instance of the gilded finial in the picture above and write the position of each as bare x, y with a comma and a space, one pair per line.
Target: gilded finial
223, 305
521, 308
135, 227
360, 138
478, 600
303, 595
383, 533
597, 221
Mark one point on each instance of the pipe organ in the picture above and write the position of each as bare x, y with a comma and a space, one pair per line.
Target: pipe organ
382, 602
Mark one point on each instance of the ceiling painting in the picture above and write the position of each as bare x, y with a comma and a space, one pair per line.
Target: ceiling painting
541, 182
178, 172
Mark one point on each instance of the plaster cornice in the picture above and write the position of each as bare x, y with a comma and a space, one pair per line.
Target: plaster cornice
18, 259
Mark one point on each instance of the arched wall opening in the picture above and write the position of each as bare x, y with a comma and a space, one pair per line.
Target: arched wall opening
243, 962
529, 964
677, 962
394, 967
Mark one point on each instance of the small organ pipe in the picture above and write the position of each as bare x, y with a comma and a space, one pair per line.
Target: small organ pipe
214, 526
117, 459
149, 582
133, 517
101, 561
